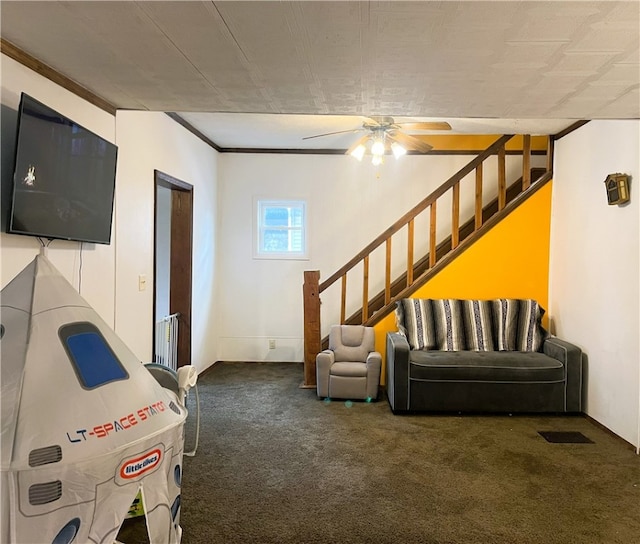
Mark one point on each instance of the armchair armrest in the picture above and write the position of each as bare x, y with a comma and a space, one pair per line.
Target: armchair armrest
570, 356
374, 359
397, 372
324, 360
374, 365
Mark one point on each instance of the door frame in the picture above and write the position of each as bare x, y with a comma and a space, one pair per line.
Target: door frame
181, 259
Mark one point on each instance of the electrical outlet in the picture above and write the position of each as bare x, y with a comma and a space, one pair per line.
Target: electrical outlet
272, 344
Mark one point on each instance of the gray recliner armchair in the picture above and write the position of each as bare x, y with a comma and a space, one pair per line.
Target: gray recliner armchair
350, 368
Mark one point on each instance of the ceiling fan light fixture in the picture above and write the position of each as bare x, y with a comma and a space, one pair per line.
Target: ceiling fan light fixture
383, 135
359, 152
377, 148
398, 150
377, 160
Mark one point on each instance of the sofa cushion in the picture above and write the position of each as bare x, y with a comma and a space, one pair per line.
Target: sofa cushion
351, 342
518, 324
530, 334
505, 313
478, 324
449, 324
348, 369
481, 366
414, 319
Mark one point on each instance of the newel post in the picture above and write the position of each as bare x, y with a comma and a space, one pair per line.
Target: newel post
312, 341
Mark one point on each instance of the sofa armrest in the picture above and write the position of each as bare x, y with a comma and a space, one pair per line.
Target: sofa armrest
570, 356
397, 372
324, 360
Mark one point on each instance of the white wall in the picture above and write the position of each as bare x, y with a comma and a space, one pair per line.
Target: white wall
98, 264
153, 141
594, 269
146, 141
349, 204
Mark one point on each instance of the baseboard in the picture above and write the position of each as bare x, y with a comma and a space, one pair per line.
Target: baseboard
624, 442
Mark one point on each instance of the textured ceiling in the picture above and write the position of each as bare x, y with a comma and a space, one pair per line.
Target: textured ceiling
549, 60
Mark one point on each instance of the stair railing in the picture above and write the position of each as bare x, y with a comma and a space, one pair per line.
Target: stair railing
416, 270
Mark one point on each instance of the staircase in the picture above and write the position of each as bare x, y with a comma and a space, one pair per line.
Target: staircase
419, 270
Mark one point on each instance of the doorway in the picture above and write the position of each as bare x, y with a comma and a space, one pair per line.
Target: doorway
172, 265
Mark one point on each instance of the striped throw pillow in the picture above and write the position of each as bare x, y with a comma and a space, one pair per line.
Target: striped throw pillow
505, 314
531, 333
478, 324
414, 318
449, 324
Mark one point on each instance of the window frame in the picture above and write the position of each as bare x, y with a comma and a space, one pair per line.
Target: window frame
261, 202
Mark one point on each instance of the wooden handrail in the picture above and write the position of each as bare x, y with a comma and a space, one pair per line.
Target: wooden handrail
421, 206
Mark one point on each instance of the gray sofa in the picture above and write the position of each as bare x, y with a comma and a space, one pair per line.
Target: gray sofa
479, 356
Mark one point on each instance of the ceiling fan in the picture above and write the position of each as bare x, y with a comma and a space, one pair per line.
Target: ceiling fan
384, 135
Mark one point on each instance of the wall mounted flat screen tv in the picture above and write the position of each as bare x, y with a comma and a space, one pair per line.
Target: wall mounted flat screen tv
64, 178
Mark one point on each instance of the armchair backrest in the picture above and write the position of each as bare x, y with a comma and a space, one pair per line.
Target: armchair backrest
351, 342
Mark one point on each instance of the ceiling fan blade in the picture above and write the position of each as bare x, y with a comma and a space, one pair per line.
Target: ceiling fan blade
331, 133
359, 141
409, 142
378, 121
427, 125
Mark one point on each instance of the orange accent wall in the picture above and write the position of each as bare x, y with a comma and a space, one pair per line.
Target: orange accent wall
475, 142
509, 261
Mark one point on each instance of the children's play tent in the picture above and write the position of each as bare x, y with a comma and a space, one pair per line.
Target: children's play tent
85, 426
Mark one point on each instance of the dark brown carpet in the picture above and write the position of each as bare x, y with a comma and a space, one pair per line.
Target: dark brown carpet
277, 465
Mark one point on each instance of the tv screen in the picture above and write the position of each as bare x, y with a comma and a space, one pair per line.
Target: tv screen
64, 178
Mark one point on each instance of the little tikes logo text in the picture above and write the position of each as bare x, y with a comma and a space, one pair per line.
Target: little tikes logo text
132, 468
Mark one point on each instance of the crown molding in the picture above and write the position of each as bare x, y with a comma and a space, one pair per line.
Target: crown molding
51, 74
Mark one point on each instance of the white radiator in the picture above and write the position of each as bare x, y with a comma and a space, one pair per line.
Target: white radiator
166, 352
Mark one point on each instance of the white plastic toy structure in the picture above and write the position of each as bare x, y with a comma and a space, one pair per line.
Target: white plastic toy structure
85, 426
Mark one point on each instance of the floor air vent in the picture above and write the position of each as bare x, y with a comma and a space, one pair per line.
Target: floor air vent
565, 437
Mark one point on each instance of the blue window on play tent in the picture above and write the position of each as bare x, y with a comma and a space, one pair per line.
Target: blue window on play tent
93, 360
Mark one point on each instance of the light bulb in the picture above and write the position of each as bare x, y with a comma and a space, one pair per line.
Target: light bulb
377, 160
377, 148
398, 150
358, 152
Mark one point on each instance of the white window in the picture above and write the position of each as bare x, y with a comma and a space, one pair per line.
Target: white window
281, 229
